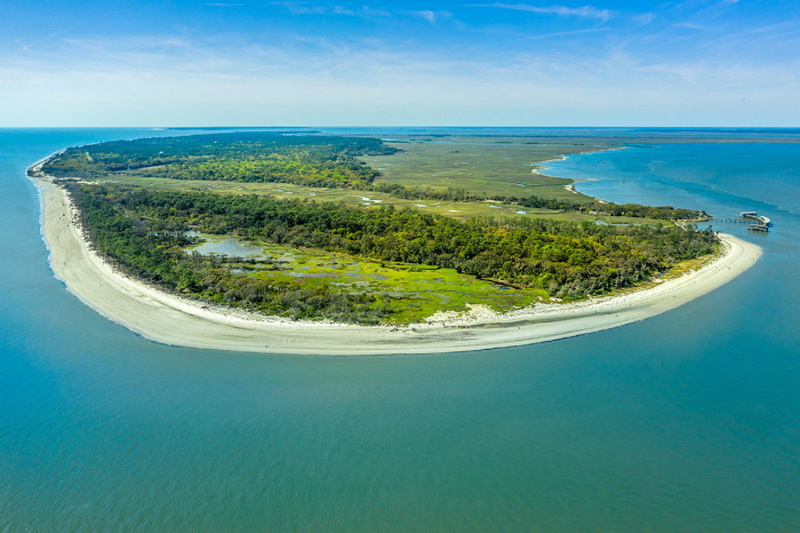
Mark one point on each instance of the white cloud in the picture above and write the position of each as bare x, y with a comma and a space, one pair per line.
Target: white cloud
644, 18
169, 80
310, 8
368, 11
569, 33
693, 26
585, 11
430, 16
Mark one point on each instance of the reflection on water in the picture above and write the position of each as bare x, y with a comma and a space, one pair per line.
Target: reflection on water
229, 246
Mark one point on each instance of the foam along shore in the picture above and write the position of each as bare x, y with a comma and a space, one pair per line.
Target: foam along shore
173, 320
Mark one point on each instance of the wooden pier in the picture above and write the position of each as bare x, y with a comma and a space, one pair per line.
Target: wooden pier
754, 221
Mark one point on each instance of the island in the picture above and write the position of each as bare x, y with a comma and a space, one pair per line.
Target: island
304, 243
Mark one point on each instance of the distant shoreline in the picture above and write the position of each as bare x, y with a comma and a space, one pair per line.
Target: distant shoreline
173, 320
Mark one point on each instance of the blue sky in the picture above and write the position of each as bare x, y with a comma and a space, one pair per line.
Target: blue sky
315, 63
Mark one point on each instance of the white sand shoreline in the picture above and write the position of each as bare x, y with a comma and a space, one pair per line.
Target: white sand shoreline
173, 320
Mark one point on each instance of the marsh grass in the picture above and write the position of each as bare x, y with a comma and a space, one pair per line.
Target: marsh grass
411, 292
488, 165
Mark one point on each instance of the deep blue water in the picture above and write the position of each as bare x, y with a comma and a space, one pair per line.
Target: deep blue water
686, 421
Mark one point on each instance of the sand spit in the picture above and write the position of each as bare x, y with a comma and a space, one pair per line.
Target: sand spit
169, 319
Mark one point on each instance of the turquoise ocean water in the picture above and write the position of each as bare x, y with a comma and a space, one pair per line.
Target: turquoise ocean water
687, 421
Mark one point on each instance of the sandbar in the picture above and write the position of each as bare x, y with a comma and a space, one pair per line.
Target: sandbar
174, 320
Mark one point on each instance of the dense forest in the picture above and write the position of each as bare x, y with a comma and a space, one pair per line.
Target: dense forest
311, 160
302, 159
146, 233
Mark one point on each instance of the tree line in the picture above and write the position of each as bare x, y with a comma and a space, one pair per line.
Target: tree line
455, 194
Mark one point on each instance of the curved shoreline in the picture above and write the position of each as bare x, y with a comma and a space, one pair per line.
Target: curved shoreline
173, 320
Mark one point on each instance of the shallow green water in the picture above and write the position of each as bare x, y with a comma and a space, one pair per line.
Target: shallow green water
687, 421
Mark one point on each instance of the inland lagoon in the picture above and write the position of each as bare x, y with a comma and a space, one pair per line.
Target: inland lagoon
687, 420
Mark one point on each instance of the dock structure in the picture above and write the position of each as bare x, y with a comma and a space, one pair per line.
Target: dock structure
758, 227
761, 224
754, 221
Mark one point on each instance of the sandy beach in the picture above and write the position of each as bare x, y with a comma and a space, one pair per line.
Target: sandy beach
165, 318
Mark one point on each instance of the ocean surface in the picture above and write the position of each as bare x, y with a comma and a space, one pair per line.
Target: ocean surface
688, 421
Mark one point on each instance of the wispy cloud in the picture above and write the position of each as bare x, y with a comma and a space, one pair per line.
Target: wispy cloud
387, 63
368, 11
569, 33
584, 11
430, 16
644, 18
309, 8
364, 12
172, 80
693, 26
29, 45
